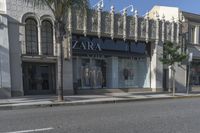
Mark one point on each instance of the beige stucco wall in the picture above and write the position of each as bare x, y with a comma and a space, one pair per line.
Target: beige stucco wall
168, 12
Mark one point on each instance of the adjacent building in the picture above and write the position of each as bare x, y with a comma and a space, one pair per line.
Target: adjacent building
191, 29
103, 51
189, 36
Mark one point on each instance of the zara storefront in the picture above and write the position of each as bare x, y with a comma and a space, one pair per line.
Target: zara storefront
103, 63
102, 50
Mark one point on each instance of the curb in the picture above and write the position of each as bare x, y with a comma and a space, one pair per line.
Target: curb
57, 104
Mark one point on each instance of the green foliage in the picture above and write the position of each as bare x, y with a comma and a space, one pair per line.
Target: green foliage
171, 54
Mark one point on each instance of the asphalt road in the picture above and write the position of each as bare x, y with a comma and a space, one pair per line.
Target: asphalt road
164, 116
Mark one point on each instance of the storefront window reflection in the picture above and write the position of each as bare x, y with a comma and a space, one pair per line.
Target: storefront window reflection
133, 73
195, 73
91, 74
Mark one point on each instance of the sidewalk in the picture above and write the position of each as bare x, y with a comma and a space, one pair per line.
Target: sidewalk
50, 101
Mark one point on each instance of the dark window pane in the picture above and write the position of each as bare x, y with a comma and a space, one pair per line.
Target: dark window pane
47, 37
31, 36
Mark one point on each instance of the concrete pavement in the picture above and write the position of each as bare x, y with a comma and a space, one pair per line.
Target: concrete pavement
51, 100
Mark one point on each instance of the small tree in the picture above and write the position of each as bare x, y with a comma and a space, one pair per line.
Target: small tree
171, 56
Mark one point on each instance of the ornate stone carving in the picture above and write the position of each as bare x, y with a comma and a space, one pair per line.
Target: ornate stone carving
79, 19
94, 21
172, 30
107, 23
124, 24
132, 27
157, 28
143, 28
120, 26
70, 20
99, 21
85, 22
136, 25
168, 31
163, 28
112, 25
147, 27
153, 29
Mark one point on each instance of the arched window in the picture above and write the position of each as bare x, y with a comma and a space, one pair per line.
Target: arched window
47, 37
31, 32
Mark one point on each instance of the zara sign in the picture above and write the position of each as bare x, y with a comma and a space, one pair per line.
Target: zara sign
86, 45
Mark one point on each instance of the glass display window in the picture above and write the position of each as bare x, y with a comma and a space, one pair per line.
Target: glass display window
92, 73
195, 74
133, 73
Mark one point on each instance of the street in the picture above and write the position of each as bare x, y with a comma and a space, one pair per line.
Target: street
159, 116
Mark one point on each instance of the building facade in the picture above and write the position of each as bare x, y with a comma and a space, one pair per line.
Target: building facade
191, 28
103, 51
189, 41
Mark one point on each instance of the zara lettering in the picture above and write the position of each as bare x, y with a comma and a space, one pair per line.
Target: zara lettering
86, 45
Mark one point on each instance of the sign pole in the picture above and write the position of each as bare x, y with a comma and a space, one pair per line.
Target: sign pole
189, 66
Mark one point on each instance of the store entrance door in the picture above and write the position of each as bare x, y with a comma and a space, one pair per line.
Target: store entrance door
38, 78
165, 79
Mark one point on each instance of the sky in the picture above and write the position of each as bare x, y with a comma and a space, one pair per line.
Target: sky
143, 6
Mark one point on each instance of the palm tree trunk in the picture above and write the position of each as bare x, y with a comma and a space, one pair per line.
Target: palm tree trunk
59, 39
60, 72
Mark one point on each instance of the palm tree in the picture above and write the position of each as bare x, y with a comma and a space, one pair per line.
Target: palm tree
60, 9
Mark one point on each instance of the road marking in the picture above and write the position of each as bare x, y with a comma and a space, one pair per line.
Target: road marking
33, 130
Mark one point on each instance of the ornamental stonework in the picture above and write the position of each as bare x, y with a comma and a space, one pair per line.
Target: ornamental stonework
168, 31
119, 27
152, 29
106, 22
142, 23
79, 20
131, 26
93, 21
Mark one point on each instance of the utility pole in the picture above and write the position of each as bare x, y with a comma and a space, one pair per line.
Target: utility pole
189, 66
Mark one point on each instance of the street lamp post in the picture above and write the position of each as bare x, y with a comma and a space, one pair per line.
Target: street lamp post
189, 66
124, 9
100, 4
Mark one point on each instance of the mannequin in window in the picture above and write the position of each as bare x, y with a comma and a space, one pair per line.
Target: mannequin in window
126, 73
93, 77
99, 77
86, 76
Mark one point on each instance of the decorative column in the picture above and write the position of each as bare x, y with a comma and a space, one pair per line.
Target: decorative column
157, 28
147, 27
172, 34
99, 20
136, 25
54, 41
39, 40
197, 35
178, 32
70, 20
22, 38
156, 65
112, 15
124, 24
163, 28
85, 22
